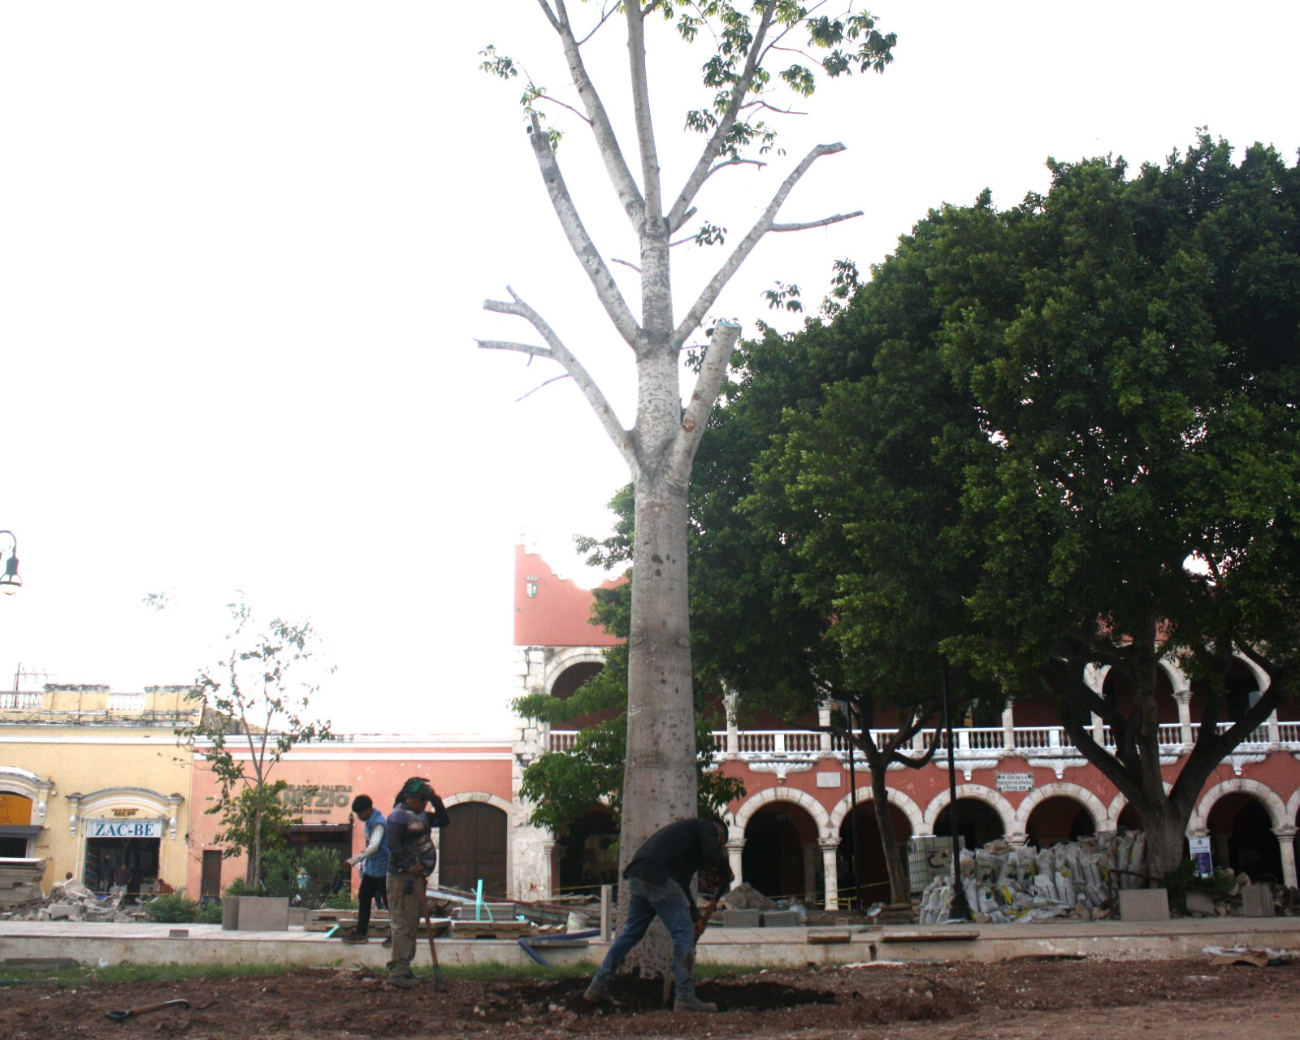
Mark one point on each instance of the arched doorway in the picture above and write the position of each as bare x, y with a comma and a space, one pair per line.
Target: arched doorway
875, 870
978, 822
1058, 820
1241, 837
781, 855
472, 848
588, 854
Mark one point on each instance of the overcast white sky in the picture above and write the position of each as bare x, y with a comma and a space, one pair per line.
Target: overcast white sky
244, 248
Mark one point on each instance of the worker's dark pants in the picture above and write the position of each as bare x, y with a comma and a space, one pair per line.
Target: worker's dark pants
370, 888
666, 901
404, 918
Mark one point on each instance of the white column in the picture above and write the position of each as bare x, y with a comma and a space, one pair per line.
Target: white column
1274, 730
810, 874
1286, 844
1184, 699
1008, 730
831, 873
729, 701
735, 850
824, 722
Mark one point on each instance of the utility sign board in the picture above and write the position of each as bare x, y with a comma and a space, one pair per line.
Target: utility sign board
124, 828
1015, 781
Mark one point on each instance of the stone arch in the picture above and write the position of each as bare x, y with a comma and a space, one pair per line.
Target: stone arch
565, 658
1116, 807
841, 809
1062, 789
736, 830
479, 796
1262, 680
1177, 677
1292, 808
1239, 785
976, 791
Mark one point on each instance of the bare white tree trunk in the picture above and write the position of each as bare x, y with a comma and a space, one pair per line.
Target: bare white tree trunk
659, 449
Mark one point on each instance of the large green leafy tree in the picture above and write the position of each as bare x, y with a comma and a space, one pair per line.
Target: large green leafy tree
1139, 379
756, 59
1058, 436
829, 571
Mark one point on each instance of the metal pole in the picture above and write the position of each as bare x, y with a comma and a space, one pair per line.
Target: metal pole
958, 907
857, 824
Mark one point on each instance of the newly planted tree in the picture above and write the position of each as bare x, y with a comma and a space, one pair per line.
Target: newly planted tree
755, 52
252, 710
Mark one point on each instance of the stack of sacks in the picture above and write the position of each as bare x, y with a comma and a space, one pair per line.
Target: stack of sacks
1004, 883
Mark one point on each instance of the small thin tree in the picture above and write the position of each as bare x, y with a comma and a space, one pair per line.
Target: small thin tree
250, 712
660, 446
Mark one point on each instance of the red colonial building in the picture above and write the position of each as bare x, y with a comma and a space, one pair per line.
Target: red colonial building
1019, 779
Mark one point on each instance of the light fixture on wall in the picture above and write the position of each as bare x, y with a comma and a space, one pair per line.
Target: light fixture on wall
9, 581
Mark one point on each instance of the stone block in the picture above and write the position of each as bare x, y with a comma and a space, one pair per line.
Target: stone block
230, 913
1144, 904
1257, 901
1200, 903
742, 918
781, 919
262, 914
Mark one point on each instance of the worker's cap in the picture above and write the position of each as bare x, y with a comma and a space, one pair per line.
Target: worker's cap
417, 787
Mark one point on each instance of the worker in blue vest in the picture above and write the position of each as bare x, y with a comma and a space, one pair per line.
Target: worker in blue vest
373, 861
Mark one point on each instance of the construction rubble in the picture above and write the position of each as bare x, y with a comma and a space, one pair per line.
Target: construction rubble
1081, 880
68, 901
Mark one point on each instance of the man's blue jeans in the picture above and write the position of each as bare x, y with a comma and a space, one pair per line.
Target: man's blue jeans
667, 901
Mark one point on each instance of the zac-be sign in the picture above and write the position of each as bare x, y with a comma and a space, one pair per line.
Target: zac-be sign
124, 828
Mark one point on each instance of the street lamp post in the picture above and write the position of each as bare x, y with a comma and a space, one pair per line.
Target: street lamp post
9, 581
958, 906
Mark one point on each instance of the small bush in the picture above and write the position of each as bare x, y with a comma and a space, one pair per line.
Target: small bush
173, 908
238, 888
210, 914
341, 901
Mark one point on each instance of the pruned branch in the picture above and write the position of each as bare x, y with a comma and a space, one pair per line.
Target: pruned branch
716, 361
746, 246
824, 222
580, 242
557, 351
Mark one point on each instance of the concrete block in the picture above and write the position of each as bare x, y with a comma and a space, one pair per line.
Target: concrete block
298, 916
781, 919
1200, 903
262, 914
230, 913
742, 918
1257, 901
1144, 904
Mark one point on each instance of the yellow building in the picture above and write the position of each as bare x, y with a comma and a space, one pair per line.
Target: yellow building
91, 780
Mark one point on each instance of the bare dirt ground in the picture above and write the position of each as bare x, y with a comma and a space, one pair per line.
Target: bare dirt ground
1019, 1000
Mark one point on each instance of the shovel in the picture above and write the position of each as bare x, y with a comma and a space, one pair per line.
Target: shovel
690, 960
122, 1016
438, 985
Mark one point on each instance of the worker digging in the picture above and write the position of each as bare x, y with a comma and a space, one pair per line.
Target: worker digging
659, 885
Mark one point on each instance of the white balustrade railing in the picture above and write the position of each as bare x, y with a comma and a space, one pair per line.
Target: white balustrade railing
976, 741
126, 702
562, 740
23, 701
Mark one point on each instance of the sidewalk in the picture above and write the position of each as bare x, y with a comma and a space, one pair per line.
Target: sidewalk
784, 947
